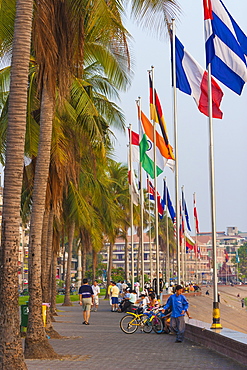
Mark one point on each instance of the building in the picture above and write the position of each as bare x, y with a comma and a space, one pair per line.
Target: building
198, 263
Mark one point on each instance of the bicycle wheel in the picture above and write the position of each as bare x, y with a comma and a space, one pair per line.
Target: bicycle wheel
146, 324
157, 325
128, 324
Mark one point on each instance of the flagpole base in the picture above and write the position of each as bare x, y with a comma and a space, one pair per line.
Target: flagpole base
216, 316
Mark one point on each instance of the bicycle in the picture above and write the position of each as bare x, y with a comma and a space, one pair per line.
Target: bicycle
148, 321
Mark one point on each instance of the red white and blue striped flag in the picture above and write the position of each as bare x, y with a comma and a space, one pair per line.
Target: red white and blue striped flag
226, 46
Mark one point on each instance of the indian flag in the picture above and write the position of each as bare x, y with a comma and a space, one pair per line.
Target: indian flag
163, 157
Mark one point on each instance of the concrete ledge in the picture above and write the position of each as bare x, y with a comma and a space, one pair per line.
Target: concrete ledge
225, 341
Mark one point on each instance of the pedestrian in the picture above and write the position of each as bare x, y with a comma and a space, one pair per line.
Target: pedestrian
166, 286
161, 284
179, 306
96, 292
86, 300
124, 285
137, 288
109, 293
114, 296
242, 302
120, 286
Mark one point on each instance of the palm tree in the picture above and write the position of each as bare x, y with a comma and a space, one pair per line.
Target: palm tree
47, 97
11, 355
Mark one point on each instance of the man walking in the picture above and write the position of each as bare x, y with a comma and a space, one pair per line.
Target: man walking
96, 292
114, 296
179, 306
86, 300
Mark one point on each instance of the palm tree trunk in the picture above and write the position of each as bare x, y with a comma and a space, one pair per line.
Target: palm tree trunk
64, 250
109, 269
44, 254
48, 248
67, 301
46, 288
36, 342
83, 262
94, 265
11, 352
53, 284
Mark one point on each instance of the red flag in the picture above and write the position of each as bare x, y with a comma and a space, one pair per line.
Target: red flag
195, 216
134, 141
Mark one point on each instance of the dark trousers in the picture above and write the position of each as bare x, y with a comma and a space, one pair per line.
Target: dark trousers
178, 326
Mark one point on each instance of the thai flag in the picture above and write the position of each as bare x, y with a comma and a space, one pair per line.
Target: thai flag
151, 194
192, 79
226, 46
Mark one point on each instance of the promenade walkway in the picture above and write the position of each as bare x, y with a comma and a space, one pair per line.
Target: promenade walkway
103, 346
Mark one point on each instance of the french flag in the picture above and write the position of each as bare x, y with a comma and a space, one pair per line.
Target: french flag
192, 79
226, 46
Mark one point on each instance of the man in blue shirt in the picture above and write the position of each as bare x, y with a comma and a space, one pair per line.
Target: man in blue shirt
179, 306
86, 300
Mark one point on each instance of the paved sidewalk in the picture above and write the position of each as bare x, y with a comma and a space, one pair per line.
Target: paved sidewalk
103, 346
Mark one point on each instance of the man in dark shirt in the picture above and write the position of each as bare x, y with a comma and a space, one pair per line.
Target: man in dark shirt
86, 300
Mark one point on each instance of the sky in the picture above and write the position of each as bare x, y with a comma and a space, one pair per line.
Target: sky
230, 133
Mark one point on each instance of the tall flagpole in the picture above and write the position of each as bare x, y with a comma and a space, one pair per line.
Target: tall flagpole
167, 238
156, 199
150, 239
141, 204
176, 148
196, 249
131, 215
183, 249
216, 311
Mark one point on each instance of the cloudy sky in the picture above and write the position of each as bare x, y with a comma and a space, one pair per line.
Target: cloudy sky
230, 133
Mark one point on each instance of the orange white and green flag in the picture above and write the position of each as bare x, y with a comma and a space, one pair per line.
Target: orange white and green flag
147, 148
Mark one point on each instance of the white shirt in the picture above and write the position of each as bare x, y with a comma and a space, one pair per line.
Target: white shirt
96, 289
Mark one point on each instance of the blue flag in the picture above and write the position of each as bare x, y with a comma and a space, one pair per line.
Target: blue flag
186, 214
166, 196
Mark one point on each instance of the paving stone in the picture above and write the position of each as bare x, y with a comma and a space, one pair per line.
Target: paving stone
103, 346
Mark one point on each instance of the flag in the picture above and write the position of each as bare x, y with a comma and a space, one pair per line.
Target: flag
237, 257
226, 46
197, 251
226, 255
192, 79
196, 217
186, 214
132, 184
175, 227
151, 194
134, 141
189, 242
147, 148
156, 114
167, 199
